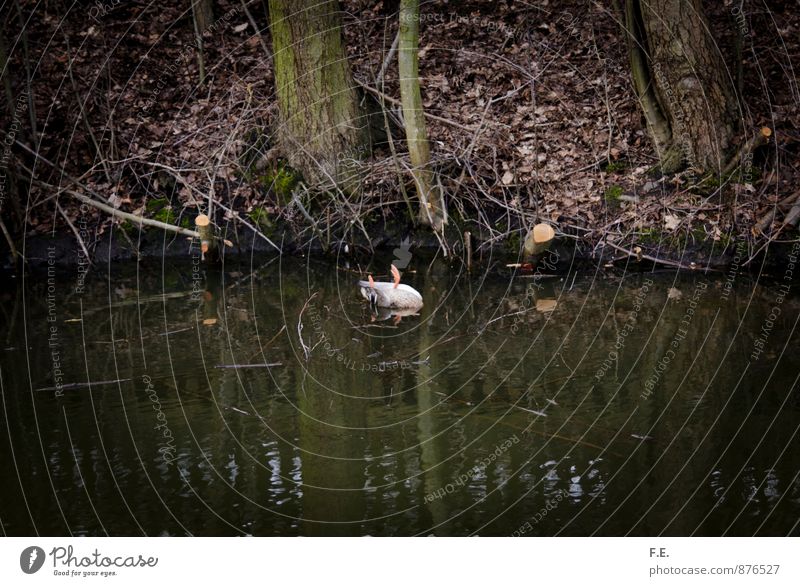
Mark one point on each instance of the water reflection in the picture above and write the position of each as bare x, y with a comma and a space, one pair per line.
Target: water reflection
588, 404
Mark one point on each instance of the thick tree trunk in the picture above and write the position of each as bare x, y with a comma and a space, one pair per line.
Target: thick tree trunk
687, 98
324, 131
432, 208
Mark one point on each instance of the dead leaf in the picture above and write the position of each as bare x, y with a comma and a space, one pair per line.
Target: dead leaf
671, 222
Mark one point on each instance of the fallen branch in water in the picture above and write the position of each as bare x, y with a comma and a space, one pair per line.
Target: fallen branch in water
131, 217
661, 261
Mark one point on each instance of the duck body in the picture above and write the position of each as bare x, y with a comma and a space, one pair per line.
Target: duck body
390, 295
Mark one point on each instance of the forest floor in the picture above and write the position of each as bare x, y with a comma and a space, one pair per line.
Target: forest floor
530, 110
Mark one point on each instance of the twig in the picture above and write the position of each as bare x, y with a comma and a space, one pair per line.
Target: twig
14, 252
468, 248
391, 100
759, 139
388, 60
267, 52
306, 349
247, 224
130, 217
661, 261
793, 216
267, 365
106, 208
74, 231
766, 221
82, 385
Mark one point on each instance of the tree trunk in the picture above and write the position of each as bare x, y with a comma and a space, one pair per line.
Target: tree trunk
202, 15
687, 98
431, 203
324, 131
203, 11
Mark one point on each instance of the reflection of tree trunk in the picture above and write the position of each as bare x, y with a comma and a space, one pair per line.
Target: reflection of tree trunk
332, 440
432, 449
432, 208
679, 76
323, 126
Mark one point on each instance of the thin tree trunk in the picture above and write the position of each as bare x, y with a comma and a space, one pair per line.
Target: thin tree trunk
432, 208
202, 16
28, 75
203, 11
324, 130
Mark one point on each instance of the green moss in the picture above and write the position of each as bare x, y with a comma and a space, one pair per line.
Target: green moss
280, 181
165, 215
260, 217
128, 227
514, 243
726, 239
160, 209
156, 204
649, 236
612, 193
284, 181
614, 167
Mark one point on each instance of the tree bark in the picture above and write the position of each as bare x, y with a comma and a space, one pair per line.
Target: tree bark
431, 203
203, 11
202, 15
324, 131
679, 75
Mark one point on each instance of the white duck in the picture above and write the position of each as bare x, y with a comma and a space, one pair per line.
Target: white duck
390, 295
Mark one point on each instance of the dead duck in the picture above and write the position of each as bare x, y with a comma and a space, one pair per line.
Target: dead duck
390, 295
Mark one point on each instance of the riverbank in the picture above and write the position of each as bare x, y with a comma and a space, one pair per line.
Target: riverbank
568, 252
545, 127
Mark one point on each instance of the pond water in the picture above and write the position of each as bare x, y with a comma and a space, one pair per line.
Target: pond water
583, 404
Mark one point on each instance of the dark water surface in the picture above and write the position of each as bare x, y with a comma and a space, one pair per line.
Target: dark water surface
586, 404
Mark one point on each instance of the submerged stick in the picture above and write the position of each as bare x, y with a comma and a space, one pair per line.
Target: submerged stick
468, 248
267, 365
83, 385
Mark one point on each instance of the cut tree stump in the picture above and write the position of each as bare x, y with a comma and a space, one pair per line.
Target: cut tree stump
539, 239
208, 240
